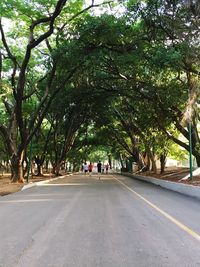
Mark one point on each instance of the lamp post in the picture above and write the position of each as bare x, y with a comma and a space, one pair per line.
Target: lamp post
190, 146
190, 132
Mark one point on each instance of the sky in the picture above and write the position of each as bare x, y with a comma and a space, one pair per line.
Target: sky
98, 11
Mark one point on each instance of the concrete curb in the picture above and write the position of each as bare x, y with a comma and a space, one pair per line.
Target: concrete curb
189, 190
43, 182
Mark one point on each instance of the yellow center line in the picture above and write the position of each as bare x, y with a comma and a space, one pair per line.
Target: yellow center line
172, 219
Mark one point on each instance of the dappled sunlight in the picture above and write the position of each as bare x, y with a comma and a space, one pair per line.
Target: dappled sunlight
81, 179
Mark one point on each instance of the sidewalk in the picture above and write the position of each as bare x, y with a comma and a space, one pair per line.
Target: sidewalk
44, 181
186, 189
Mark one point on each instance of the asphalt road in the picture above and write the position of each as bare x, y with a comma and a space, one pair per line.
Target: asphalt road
85, 222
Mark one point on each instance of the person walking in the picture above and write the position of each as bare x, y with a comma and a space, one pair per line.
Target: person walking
85, 168
90, 167
107, 166
99, 165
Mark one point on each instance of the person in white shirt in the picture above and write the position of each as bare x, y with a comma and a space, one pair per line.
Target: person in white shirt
85, 167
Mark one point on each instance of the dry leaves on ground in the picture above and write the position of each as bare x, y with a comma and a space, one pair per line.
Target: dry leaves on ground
6, 187
174, 175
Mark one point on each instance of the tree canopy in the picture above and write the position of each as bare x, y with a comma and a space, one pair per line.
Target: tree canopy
115, 76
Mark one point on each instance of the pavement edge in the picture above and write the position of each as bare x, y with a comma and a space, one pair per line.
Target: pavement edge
44, 181
189, 190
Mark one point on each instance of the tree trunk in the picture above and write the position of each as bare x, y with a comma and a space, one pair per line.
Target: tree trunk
154, 168
39, 170
153, 161
141, 162
110, 161
57, 168
46, 165
162, 163
197, 157
32, 168
39, 161
53, 171
17, 169
147, 161
121, 161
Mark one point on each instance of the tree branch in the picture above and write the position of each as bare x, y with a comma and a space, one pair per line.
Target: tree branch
43, 112
10, 55
0, 65
5, 134
82, 11
51, 20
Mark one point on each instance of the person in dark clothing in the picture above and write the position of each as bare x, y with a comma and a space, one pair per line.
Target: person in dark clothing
107, 166
99, 165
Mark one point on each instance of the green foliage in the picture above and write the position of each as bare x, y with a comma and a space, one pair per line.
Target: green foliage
164, 58
128, 82
175, 152
99, 153
29, 9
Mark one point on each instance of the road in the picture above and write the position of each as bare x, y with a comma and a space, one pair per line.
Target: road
82, 221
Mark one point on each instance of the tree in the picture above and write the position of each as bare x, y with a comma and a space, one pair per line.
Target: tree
170, 28
31, 70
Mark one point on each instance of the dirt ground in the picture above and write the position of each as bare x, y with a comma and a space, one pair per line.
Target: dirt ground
174, 175
171, 174
6, 187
